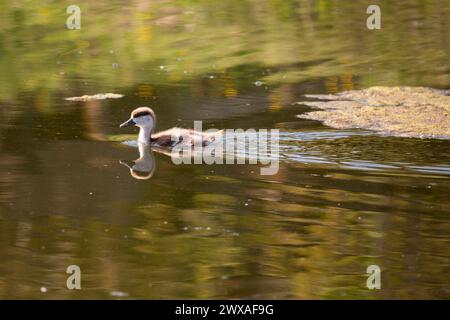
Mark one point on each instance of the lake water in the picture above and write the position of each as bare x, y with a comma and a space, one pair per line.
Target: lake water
342, 200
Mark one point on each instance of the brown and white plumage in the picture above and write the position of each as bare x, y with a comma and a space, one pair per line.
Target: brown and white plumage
145, 119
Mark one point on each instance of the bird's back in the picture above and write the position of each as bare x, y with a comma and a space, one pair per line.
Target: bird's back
172, 137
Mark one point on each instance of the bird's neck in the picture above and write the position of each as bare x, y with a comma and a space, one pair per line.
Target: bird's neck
145, 134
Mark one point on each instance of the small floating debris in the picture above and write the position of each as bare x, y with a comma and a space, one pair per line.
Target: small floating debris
258, 83
119, 294
43, 289
397, 111
98, 96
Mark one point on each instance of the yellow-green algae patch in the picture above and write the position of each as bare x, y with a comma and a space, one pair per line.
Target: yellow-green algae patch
399, 111
121, 137
98, 96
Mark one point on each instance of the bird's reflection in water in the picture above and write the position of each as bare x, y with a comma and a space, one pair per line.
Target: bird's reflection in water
143, 167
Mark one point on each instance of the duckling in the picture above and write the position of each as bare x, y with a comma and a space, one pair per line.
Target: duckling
145, 119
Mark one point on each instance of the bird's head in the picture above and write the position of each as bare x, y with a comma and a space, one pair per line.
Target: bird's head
142, 117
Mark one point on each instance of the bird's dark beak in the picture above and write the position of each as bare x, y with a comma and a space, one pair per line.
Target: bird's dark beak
128, 123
